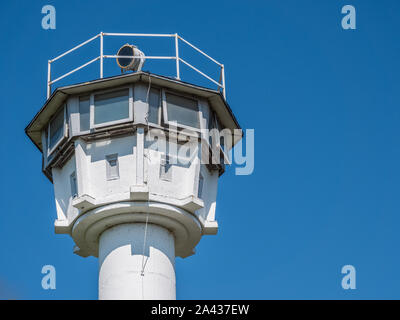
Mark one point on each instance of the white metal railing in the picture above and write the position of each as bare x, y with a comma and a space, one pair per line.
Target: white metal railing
102, 56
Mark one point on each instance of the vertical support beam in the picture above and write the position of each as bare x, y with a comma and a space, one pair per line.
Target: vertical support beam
101, 55
223, 81
178, 76
140, 156
82, 169
48, 79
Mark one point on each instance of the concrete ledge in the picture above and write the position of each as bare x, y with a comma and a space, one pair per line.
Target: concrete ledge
210, 227
139, 192
61, 226
185, 226
84, 202
192, 203
80, 252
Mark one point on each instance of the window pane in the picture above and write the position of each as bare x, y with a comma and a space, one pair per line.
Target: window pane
57, 129
182, 110
154, 106
211, 125
111, 106
74, 190
112, 167
165, 168
221, 136
84, 113
200, 190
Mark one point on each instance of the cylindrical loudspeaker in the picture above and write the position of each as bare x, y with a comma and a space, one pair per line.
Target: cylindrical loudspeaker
126, 63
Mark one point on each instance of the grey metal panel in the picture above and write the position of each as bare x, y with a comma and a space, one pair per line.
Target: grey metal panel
140, 103
73, 112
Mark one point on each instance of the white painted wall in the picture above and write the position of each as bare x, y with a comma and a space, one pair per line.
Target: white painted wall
209, 194
92, 180
133, 268
96, 153
62, 189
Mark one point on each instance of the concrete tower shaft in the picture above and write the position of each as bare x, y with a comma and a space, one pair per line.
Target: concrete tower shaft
126, 270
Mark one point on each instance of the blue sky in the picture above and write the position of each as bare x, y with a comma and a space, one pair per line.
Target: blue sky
324, 103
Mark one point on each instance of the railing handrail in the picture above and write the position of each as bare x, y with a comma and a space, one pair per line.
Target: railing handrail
177, 58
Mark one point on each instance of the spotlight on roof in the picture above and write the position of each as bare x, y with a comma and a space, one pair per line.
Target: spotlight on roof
134, 64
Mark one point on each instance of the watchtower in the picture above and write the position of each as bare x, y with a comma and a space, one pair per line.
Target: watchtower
135, 160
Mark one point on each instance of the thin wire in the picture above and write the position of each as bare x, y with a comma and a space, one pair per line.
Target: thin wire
147, 114
144, 247
144, 243
147, 216
148, 104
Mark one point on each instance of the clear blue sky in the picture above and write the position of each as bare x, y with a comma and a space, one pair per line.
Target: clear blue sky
324, 103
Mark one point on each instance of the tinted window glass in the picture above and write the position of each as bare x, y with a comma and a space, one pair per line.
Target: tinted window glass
200, 190
154, 106
112, 167
56, 128
111, 106
74, 190
182, 110
84, 113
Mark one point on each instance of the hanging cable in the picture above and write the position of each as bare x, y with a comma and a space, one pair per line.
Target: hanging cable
144, 243
148, 103
147, 213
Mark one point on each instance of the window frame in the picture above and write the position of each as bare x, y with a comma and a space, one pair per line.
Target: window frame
160, 110
165, 110
79, 112
200, 185
65, 131
94, 126
165, 164
73, 184
109, 175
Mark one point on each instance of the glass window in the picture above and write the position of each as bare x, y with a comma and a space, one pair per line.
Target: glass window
154, 107
165, 168
56, 129
221, 136
74, 189
111, 106
84, 113
182, 110
211, 126
200, 187
112, 167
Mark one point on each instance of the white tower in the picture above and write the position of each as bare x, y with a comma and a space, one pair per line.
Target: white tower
135, 171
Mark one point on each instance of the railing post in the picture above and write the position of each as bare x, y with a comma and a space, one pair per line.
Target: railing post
48, 79
223, 81
178, 76
101, 55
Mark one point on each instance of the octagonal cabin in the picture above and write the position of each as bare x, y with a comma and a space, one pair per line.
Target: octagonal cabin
136, 137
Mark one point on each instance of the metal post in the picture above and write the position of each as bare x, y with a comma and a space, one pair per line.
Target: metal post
177, 57
49, 79
223, 81
101, 55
